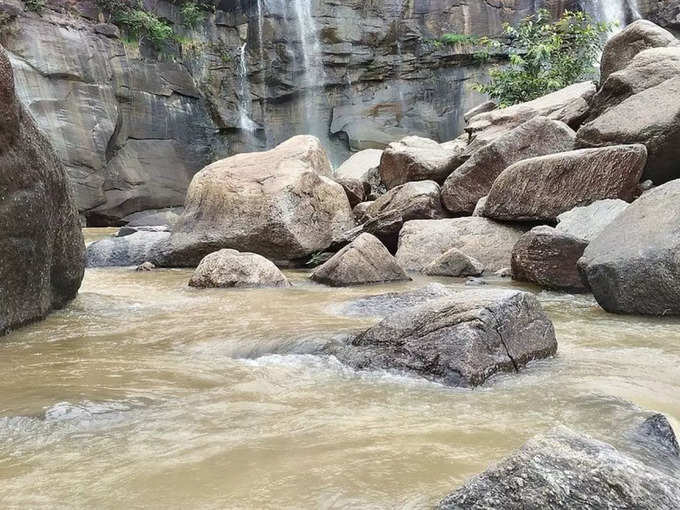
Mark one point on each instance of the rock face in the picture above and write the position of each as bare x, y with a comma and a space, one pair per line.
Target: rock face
588, 222
454, 263
563, 469
413, 201
548, 258
280, 204
652, 118
230, 268
632, 266
355, 190
491, 243
364, 260
622, 47
129, 250
540, 189
418, 159
41, 246
458, 341
473, 180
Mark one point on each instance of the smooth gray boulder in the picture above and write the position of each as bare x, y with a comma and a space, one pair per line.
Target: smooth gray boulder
547, 257
42, 253
365, 260
230, 268
588, 222
381, 305
491, 243
624, 46
361, 165
460, 340
563, 469
281, 204
418, 159
129, 250
633, 265
454, 263
652, 118
471, 181
540, 189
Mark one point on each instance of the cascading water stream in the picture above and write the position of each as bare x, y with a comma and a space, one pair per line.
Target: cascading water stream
245, 101
619, 12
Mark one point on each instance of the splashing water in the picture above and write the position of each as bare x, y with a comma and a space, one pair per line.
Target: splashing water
246, 105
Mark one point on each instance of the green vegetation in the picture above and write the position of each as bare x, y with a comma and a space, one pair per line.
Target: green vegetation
192, 14
545, 56
35, 5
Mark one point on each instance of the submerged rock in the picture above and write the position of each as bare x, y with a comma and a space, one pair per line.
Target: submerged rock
418, 159
589, 221
454, 263
491, 243
548, 257
460, 340
540, 189
129, 250
563, 469
42, 253
471, 181
364, 260
231, 268
388, 303
633, 265
281, 204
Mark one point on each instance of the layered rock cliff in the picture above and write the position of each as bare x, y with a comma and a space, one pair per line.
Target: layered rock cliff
133, 124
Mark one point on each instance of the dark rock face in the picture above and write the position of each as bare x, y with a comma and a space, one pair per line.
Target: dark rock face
491, 243
413, 201
365, 260
632, 266
41, 246
473, 180
281, 204
388, 303
548, 257
636, 37
128, 250
231, 268
540, 189
657, 433
355, 190
652, 118
458, 341
563, 469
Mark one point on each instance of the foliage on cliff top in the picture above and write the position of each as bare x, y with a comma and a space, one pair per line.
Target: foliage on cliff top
545, 55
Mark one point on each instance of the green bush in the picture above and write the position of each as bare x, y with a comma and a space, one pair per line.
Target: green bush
192, 14
545, 56
35, 5
138, 23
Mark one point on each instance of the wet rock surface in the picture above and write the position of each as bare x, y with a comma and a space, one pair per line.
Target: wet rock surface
128, 250
231, 268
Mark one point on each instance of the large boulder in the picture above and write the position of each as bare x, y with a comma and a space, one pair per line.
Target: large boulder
633, 265
460, 340
648, 69
364, 260
381, 305
454, 263
548, 257
361, 165
651, 117
281, 204
42, 253
473, 180
569, 105
540, 189
231, 268
128, 250
588, 222
491, 243
636, 37
562, 470
418, 159
413, 201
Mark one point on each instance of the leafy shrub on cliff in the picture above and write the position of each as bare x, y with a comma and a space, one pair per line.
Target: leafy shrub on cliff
192, 14
545, 56
35, 5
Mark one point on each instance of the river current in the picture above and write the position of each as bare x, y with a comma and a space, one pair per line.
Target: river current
145, 393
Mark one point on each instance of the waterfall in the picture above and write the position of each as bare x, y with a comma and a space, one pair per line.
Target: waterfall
245, 106
619, 12
309, 42
260, 40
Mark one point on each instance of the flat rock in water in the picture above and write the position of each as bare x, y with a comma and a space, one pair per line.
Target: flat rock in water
588, 222
473, 179
231, 268
388, 303
633, 265
454, 263
540, 189
563, 470
460, 340
130, 250
491, 243
548, 257
365, 260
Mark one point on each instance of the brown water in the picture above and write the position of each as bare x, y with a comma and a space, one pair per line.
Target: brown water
145, 393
